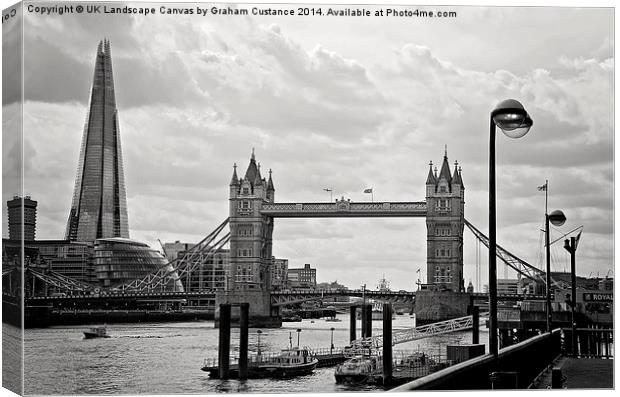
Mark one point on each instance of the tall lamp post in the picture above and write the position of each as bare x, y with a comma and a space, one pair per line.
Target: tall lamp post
571, 246
510, 116
557, 218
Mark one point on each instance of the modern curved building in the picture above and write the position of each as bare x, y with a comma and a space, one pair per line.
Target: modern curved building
119, 260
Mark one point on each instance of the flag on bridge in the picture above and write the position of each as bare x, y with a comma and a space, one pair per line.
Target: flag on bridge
543, 188
368, 190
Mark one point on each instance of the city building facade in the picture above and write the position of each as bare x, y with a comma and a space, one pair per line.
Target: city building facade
304, 277
279, 274
209, 273
17, 224
508, 286
445, 201
99, 205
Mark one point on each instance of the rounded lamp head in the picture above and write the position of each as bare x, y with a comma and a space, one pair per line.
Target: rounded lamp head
510, 116
557, 218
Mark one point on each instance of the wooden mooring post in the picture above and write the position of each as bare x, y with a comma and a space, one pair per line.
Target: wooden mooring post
353, 324
387, 344
224, 341
244, 316
368, 330
475, 328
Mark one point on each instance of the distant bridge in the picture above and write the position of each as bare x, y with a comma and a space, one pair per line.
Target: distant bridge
278, 298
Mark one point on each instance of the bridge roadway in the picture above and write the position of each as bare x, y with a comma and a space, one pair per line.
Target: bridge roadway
344, 208
278, 298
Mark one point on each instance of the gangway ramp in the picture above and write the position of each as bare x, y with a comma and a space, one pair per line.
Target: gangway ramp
421, 332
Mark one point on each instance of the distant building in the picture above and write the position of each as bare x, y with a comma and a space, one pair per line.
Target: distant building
172, 250
279, 274
507, 286
210, 273
68, 258
606, 284
118, 260
304, 277
29, 223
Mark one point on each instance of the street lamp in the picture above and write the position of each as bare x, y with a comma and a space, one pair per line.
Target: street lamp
331, 348
571, 246
298, 332
557, 218
510, 116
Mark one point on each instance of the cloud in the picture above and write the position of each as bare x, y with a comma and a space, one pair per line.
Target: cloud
331, 111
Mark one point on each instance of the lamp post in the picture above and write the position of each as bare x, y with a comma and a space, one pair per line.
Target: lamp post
298, 332
331, 346
571, 246
510, 116
557, 218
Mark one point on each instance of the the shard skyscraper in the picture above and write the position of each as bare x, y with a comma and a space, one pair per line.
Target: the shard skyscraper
99, 205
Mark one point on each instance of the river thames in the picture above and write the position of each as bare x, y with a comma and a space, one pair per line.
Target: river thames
165, 358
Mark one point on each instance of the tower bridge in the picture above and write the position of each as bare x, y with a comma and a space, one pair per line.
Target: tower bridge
253, 209
248, 231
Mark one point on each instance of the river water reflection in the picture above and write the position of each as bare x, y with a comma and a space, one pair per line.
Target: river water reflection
165, 358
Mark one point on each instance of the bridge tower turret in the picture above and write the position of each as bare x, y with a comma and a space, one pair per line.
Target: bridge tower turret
248, 275
445, 201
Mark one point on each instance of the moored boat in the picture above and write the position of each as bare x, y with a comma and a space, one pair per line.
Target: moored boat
96, 332
290, 362
357, 369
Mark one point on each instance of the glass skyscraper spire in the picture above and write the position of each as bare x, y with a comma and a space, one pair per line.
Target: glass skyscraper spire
99, 205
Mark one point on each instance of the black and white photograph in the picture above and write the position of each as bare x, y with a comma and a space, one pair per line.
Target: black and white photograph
223, 197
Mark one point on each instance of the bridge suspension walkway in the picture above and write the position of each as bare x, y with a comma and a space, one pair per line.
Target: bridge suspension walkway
421, 332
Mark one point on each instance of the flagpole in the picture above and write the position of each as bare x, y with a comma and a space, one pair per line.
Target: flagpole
546, 194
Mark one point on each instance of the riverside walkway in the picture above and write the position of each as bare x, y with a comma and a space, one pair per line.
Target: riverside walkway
580, 373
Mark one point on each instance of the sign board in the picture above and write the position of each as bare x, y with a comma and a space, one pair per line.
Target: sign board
597, 297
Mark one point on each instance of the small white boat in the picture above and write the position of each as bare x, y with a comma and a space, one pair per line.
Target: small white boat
96, 332
357, 369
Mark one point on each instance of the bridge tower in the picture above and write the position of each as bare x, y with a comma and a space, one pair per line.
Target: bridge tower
248, 276
445, 220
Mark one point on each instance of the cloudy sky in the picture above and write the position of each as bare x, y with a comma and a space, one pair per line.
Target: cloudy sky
332, 102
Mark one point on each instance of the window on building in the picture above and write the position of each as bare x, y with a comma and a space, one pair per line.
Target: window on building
442, 204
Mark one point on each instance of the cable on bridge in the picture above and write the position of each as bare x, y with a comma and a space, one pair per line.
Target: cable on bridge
175, 270
518, 264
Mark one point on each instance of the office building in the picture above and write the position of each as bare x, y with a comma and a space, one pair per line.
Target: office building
304, 277
99, 205
279, 274
29, 221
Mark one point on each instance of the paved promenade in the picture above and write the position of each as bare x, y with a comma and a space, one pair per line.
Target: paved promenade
582, 373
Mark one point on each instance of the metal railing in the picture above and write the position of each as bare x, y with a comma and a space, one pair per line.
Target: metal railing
591, 342
423, 331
